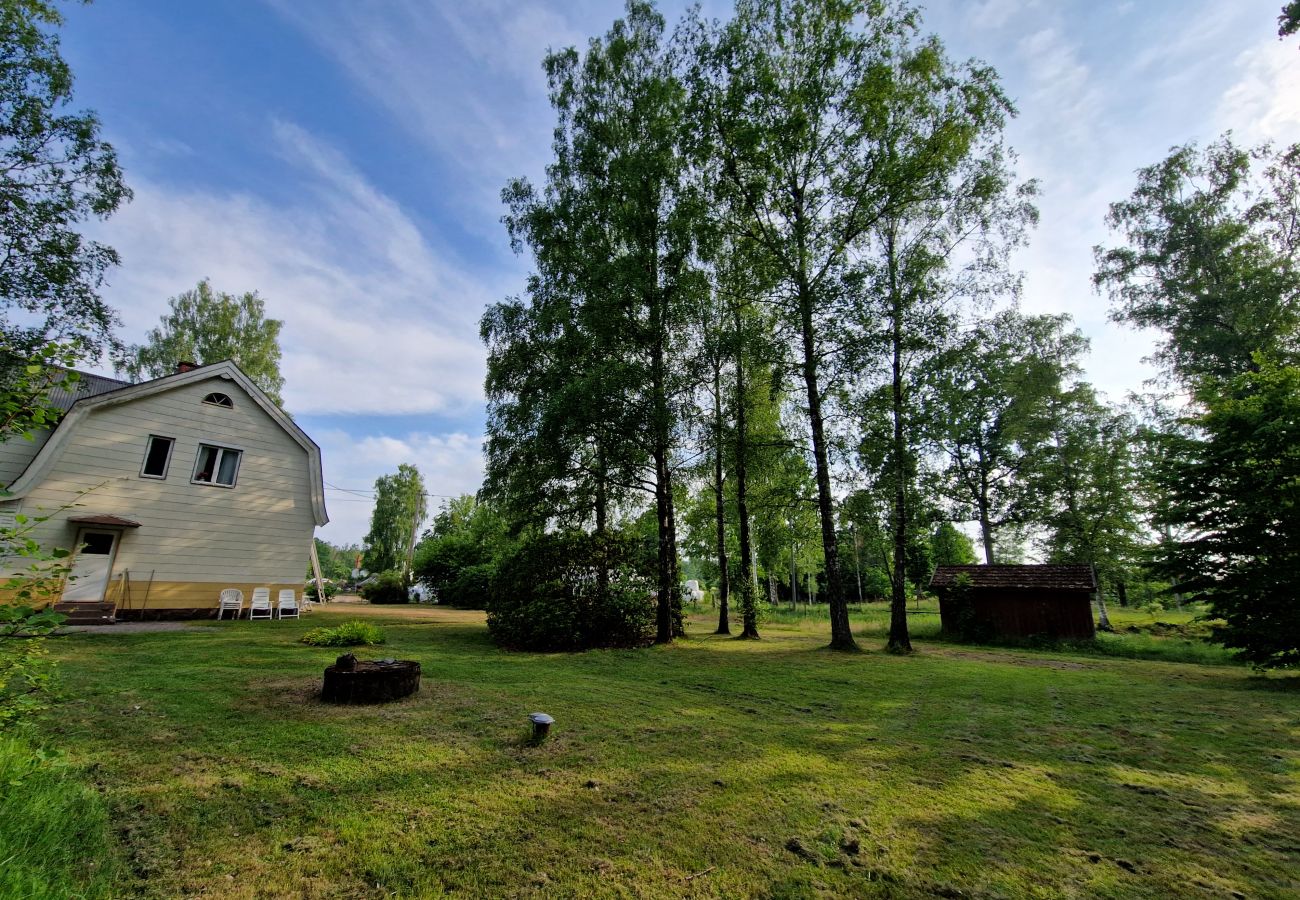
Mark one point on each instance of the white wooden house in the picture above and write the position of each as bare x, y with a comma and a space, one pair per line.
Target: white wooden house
168, 491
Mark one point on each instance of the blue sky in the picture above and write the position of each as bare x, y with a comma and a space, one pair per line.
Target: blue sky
345, 157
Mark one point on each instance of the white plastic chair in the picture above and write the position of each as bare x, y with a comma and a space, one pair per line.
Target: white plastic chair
231, 599
260, 606
287, 605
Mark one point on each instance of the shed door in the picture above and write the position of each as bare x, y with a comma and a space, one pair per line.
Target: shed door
90, 567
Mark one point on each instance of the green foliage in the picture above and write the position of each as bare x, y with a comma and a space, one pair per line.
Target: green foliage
1234, 486
350, 634
28, 375
54, 830
386, 587
584, 382
206, 326
1092, 489
27, 680
876, 584
567, 591
1288, 23
400, 508
27, 675
949, 546
56, 172
993, 395
458, 557
1212, 258
336, 563
331, 589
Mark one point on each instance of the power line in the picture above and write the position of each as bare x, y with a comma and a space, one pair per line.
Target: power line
368, 494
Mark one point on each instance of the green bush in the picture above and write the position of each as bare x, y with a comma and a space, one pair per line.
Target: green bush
330, 590
548, 595
386, 587
53, 829
26, 671
350, 634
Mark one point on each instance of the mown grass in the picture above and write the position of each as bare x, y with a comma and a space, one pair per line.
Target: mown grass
1169, 635
712, 768
53, 829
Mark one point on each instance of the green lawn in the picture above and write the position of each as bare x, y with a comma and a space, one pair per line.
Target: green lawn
711, 768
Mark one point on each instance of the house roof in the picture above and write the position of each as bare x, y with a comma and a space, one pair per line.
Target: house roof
1045, 577
226, 369
87, 385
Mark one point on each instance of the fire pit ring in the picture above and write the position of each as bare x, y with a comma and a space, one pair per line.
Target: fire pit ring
351, 680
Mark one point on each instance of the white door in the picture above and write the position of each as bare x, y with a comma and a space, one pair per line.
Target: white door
90, 567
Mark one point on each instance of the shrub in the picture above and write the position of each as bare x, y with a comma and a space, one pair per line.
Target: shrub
330, 590
350, 634
549, 594
26, 670
386, 587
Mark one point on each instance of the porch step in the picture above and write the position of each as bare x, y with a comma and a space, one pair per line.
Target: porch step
88, 613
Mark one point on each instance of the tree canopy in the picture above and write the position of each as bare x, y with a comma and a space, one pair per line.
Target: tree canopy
56, 173
206, 326
400, 509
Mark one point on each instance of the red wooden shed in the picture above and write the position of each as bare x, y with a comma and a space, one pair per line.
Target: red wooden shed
1050, 601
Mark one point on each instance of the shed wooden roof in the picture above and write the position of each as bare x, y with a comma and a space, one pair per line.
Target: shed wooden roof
1046, 577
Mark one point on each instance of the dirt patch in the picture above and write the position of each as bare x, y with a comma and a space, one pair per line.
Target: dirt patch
131, 628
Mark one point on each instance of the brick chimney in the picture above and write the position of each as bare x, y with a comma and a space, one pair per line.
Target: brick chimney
184, 367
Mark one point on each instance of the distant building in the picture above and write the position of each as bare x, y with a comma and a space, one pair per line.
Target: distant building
168, 491
1047, 601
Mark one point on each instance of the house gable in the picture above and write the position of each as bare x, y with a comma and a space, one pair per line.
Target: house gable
224, 377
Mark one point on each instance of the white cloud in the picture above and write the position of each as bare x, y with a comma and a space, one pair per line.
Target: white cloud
1264, 103
452, 464
377, 319
994, 14
463, 79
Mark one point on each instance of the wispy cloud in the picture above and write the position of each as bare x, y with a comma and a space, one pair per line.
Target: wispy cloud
1263, 104
463, 79
451, 464
377, 319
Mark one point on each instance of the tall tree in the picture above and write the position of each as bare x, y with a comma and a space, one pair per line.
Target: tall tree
993, 394
1211, 258
55, 174
952, 212
1233, 481
1091, 481
622, 219
206, 326
795, 85
400, 509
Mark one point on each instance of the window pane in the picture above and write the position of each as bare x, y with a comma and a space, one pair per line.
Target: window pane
96, 543
229, 463
155, 460
207, 463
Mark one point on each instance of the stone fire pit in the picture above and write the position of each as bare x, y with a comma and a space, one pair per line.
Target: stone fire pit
350, 680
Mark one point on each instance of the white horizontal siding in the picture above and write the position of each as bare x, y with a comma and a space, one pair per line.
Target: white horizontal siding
17, 452
258, 531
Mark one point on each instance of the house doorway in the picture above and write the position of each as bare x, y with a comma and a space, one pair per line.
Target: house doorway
91, 566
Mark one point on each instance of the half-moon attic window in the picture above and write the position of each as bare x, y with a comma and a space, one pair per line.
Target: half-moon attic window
219, 400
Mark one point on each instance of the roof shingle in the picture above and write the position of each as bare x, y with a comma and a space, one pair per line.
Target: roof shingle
1058, 577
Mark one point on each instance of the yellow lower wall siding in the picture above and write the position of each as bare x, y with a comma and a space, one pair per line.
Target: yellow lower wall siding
141, 596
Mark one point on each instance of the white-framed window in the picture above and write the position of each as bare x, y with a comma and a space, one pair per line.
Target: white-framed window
216, 465
218, 399
157, 456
